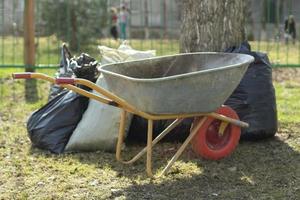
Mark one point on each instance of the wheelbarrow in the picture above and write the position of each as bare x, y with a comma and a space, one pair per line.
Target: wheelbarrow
172, 87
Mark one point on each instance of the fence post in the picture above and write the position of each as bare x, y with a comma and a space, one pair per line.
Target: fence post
29, 50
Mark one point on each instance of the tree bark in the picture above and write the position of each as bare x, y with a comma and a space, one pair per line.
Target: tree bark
212, 25
74, 30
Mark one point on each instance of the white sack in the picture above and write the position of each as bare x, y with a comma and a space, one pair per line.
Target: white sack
99, 126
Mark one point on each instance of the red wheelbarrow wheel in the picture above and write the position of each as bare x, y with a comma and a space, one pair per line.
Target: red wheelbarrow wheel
209, 144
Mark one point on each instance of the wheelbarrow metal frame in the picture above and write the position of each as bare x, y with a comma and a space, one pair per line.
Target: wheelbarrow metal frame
113, 100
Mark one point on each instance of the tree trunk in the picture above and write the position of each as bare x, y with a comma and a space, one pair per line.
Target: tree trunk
212, 25
74, 31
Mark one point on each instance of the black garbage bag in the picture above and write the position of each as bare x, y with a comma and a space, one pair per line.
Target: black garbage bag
64, 71
254, 98
138, 130
51, 126
83, 66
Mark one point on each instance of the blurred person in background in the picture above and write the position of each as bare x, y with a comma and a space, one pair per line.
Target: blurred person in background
290, 29
113, 23
123, 19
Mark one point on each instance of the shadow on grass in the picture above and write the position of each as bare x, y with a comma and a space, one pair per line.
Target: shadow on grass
267, 169
263, 170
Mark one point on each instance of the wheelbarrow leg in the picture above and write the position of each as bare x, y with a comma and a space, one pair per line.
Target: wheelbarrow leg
121, 135
183, 146
155, 141
149, 142
149, 148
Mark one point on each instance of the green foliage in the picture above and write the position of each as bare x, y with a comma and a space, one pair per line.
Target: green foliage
77, 22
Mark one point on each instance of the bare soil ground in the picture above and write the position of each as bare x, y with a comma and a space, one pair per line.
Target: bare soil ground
286, 74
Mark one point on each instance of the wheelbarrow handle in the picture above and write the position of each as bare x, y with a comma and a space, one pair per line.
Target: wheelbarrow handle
65, 83
115, 100
65, 80
25, 75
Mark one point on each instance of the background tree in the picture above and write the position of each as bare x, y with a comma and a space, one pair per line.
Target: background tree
212, 25
78, 22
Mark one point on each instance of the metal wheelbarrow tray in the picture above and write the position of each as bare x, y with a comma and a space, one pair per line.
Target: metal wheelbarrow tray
186, 83
172, 87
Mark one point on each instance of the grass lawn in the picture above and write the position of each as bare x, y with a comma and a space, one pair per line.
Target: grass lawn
48, 53
256, 170
48, 49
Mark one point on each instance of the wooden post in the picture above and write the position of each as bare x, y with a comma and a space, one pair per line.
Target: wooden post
165, 18
146, 25
29, 50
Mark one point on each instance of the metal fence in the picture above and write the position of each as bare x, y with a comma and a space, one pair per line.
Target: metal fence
152, 24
